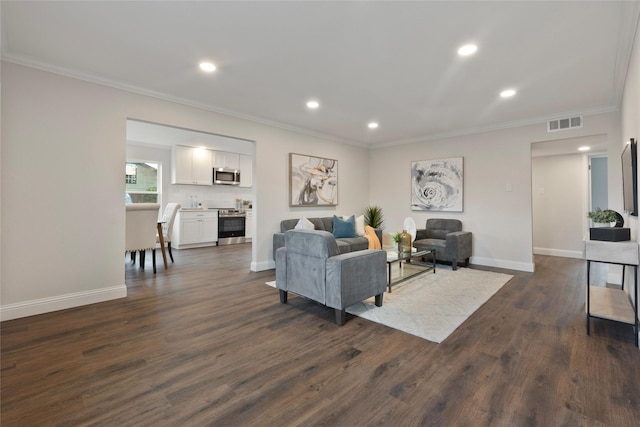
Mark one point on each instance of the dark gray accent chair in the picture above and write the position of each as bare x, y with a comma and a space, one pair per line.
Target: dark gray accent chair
447, 238
311, 266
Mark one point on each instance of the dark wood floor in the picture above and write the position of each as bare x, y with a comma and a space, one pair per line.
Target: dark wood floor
208, 343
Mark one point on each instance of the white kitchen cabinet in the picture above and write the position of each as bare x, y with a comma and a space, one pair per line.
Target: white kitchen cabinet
248, 226
195, 228
191, 166
246, 171
226, 159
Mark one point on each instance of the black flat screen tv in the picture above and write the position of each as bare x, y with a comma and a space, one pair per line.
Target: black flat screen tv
630, 178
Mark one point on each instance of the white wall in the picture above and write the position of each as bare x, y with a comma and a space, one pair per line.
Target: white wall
500, 219
560, 202
631, 121
631, 110
63, 236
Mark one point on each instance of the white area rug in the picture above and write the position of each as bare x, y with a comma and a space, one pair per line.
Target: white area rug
432, 306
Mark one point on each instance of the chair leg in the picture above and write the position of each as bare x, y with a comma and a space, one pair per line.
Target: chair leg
341, 316
454, 265
170, 254
142, 259
283, 296
133, 257
379, 300
153, 255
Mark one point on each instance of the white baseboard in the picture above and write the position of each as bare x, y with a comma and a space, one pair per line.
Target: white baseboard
559, 252
501, 263
60, 302
264, 265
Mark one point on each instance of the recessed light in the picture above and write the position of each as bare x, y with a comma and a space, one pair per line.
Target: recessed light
508, 93
207, 66
373, 125
585, 148
313, 104
468, 49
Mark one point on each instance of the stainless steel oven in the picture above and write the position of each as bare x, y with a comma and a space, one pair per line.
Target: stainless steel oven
231, 226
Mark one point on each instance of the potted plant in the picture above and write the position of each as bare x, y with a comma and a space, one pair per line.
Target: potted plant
608, 233
396, 239
373, 216
605, 216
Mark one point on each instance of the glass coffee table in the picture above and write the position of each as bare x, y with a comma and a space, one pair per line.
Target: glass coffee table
411, 267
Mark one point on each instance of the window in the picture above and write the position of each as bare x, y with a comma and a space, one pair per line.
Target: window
131, 173
141, 180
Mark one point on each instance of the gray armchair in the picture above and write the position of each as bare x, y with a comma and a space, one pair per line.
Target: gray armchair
447, 238
310, 265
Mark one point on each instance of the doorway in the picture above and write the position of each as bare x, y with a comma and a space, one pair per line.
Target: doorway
562, 192
598, 182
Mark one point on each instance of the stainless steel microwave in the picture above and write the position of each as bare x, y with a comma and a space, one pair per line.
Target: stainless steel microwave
226, 176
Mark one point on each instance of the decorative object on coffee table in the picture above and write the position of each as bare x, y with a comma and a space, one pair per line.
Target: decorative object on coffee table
404, 243
410, 225
607, 233
396, 240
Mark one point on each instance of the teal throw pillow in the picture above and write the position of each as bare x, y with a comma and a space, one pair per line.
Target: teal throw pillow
344, 227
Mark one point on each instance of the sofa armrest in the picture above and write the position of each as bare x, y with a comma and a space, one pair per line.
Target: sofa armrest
458, 245
278, 242
421, 233
355, 276
281, 268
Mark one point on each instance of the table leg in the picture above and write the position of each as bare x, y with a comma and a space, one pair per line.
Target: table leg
588, 298
161, 238
433, 258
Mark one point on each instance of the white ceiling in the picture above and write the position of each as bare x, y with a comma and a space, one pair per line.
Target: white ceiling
392, 62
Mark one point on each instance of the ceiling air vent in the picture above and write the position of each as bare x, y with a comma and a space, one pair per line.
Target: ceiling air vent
564, 124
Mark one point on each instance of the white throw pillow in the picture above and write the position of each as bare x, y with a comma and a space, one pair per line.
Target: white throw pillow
359, 224
304, 224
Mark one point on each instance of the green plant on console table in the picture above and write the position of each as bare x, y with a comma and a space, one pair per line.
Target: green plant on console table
603, 216
373, 216
396, 237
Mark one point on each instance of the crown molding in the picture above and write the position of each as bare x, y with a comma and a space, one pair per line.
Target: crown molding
500, 126
424, 138
166, 97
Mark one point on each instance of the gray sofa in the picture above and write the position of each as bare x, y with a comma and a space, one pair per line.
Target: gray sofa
310, 265
447, 238
345, 245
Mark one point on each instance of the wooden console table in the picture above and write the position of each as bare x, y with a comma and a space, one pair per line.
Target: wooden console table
607, 303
